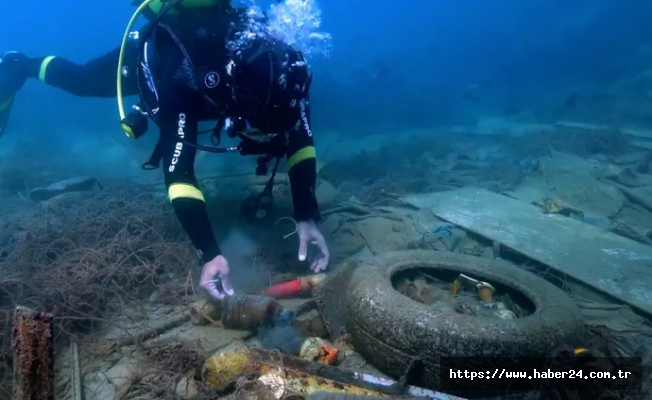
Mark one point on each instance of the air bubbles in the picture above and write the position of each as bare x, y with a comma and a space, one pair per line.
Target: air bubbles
294, 22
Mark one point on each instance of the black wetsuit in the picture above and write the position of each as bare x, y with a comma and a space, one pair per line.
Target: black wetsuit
186, 97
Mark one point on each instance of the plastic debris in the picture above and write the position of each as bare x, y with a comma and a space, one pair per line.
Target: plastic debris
318, 350
282, 374
295, 287
485, 291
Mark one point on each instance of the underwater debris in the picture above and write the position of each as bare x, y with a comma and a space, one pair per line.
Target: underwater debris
318, 350
288, 376
205, 312
557, 206
86, 263
485, 291
295, 287
32, 341
243, 311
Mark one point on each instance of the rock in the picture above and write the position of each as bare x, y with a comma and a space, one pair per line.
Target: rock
187, 388
97, 387
630, 178
505, 314
327, 195
352, 361
581, 193
443, 307
79, 184
311, 325
122, 372
343, 237
594, 197
641, 235
635, 215
488, 252
564, 164
640, 196
464, 165
258, 389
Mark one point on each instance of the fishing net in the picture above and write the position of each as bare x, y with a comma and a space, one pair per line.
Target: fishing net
87, 258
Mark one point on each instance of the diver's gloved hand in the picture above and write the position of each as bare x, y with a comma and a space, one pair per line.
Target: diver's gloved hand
215, 278
309, 233
14, 71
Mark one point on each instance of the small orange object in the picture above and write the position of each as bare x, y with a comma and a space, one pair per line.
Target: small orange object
455, 287
329, 354
285, 289
485, 291
319, 350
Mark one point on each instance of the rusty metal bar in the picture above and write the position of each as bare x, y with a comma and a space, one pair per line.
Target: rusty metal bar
32, 342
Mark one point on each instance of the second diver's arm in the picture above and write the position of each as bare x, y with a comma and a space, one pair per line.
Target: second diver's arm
302, 167
96, 78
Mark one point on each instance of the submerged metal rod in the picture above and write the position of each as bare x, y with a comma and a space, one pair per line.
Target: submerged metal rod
32, 342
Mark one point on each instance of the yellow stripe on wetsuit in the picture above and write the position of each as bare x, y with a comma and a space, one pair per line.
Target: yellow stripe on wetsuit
306, 153
44, 68
184, 191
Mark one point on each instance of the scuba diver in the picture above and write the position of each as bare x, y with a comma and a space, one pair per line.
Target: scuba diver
184, 73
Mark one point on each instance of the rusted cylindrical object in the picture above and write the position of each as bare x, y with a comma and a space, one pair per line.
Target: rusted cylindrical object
32, 342
244, 311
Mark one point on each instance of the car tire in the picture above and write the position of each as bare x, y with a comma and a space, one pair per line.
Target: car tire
391, 330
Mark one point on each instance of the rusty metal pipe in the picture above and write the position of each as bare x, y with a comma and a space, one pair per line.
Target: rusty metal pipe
32, 342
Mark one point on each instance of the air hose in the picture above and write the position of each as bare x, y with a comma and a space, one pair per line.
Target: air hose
121, 58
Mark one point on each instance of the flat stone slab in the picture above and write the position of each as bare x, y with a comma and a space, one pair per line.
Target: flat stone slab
600, 259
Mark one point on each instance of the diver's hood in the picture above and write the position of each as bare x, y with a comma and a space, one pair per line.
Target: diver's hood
269, 79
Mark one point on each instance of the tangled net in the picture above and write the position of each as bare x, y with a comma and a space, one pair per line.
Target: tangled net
165, 364
85, 257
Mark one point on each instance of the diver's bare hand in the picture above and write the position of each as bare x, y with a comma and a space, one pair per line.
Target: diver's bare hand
309, 233
215, 278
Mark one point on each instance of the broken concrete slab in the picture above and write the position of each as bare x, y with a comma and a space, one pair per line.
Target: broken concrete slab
641, 196
582, 193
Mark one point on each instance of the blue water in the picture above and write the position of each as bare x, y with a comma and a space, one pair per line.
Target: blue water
393, 66
458, 72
